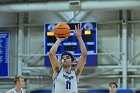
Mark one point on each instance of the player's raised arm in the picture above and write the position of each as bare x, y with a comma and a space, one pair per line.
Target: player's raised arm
52, 55
82, 58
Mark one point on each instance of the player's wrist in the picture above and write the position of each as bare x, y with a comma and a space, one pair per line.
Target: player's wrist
58, 42
79, 37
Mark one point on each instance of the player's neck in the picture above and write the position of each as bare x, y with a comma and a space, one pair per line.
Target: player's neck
18, 88
68, 69
113, 92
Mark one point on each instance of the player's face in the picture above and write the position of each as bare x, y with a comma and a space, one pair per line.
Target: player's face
112, 88
21, 82
66, 61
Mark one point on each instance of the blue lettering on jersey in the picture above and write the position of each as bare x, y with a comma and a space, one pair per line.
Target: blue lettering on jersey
67, 77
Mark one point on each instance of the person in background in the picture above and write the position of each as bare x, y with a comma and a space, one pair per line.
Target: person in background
19, 83
113, 87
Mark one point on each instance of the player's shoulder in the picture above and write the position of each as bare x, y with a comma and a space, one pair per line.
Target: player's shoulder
9, 91
24, 90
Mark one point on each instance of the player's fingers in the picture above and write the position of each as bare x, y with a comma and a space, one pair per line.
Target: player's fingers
75, 27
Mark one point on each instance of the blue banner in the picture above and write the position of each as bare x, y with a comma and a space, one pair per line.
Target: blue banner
4, 54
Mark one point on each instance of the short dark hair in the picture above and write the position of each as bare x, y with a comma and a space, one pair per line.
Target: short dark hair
67, 53
17, 77
113, 83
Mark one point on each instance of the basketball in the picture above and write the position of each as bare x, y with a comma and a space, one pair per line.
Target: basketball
62, 30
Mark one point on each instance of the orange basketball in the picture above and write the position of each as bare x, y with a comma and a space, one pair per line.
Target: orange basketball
62, 30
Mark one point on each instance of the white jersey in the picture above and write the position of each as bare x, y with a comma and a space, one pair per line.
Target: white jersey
65, 82
14, 90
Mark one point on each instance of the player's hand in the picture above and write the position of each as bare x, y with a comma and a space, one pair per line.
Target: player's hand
78, 30
60, 39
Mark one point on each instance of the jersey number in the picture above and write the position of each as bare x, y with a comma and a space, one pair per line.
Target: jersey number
68, 85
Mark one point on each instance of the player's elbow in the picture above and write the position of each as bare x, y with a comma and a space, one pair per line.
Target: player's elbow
84, 53
51, 53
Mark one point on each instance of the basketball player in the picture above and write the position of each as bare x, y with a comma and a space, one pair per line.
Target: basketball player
113, 87
64, 77
19, 83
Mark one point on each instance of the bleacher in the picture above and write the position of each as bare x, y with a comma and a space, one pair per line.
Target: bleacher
107, 91
93, 91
